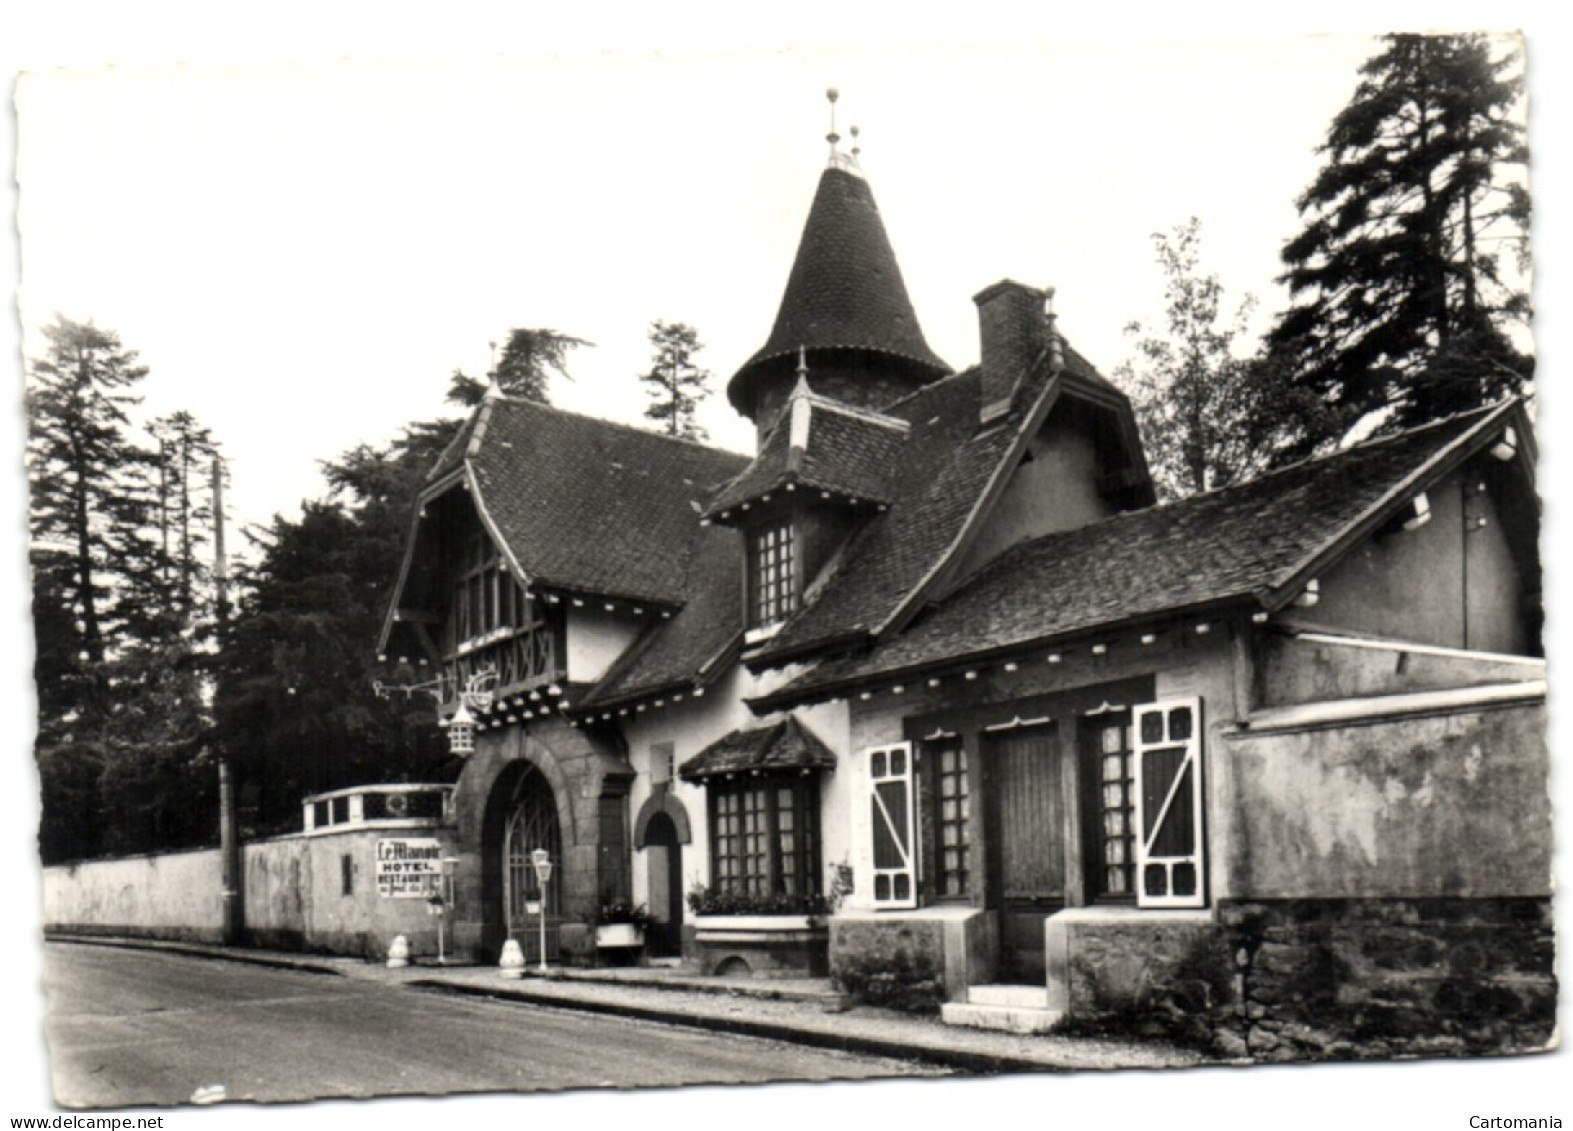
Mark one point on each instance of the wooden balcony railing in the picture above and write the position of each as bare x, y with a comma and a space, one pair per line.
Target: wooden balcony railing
522, 658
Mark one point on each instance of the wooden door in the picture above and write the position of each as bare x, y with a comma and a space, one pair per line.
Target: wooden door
1028, 842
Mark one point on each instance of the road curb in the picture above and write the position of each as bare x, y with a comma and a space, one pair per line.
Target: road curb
197, 950
976, 1063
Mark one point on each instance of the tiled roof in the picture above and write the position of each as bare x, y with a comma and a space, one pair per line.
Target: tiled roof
845, 290
688, 649
786, 745
939, 477
591, 506
1237, 543
848, 454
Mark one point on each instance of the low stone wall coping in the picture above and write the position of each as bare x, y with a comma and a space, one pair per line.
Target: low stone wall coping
1132, 916
953, 913
761, 924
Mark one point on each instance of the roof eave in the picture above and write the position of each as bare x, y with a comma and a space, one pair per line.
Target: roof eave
785, 699
1440, 464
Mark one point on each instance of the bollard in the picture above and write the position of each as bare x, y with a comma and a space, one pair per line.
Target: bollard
399, 953
512, 963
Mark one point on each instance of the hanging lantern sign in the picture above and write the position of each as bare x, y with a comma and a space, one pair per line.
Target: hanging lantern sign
461, 731
543, 865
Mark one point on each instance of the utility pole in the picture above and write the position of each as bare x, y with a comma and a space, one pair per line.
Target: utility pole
228, 831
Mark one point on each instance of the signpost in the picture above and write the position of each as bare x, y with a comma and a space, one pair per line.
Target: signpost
439, 901
543, 872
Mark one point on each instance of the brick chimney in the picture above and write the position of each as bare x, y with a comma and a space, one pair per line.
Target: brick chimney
1013, 332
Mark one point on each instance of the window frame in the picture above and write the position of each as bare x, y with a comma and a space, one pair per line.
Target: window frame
931, 776
805, 851
785, 572
1092, 806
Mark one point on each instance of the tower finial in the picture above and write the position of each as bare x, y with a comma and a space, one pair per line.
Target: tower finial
856, 148
833, 137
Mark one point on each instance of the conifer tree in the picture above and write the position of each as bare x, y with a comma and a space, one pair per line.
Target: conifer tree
83, 517
1407, 279
118, 616
675, 384
528, 360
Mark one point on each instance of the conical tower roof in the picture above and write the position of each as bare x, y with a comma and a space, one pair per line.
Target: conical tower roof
845, 291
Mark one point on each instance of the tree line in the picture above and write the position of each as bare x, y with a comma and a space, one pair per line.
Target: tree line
1403, 307
150, 667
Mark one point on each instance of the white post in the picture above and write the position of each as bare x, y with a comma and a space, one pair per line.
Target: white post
543, 872
543, 931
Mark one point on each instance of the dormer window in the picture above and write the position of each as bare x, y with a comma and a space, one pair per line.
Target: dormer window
772, 574
487, 601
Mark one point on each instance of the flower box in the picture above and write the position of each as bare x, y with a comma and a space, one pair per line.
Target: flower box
619, 935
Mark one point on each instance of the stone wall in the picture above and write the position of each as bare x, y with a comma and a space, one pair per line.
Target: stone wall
917, 960
896, 963
1327, 979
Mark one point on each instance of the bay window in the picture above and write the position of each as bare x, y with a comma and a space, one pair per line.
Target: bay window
764, 838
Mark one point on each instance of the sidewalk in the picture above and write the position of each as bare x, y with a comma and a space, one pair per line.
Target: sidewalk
803, 1011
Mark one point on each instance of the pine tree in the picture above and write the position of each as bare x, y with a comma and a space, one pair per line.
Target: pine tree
117, 536
528, 360
675, 384
183, 512
82, 515
159, 778
1406, 281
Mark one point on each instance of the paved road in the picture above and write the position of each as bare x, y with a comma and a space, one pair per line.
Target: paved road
130, 1027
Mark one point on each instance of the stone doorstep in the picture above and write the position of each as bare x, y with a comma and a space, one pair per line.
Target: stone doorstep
1012, 996
1001, 1018
1007, 1008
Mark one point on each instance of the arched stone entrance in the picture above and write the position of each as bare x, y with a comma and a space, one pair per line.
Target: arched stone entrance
550, 787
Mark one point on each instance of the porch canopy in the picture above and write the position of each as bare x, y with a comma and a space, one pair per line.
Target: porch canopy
786, 745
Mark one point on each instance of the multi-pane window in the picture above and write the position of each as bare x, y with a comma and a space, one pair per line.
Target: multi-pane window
951, 815
1116, 828
1108, 799
763, 838
772, 574
486, 597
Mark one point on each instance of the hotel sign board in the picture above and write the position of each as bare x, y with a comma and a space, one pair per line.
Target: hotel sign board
408, 868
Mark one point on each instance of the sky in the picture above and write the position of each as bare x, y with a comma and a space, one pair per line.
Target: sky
303, 254
305, 221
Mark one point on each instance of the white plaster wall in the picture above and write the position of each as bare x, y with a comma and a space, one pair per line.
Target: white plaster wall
693, 724
179, 894
292, 887
596, 638
1056, 490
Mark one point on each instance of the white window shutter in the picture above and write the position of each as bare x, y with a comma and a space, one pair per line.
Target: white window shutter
892, 825
1170, 859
